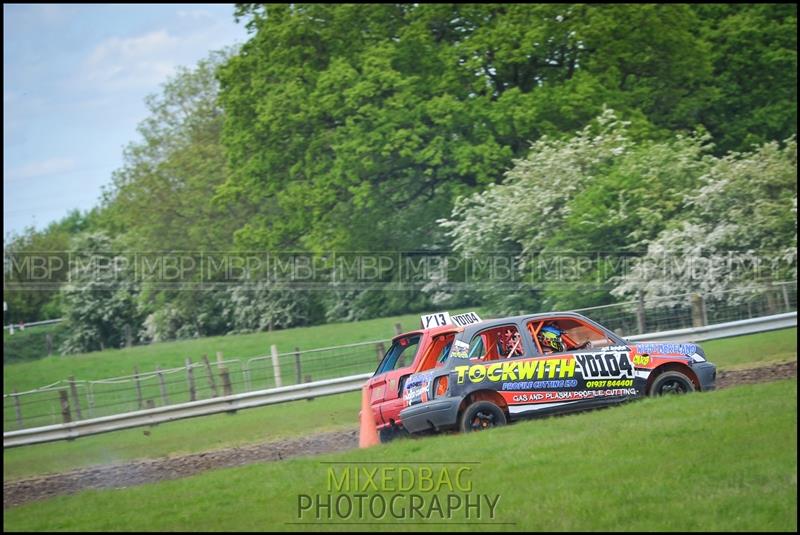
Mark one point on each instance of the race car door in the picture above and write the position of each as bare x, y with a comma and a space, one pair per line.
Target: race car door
580, 364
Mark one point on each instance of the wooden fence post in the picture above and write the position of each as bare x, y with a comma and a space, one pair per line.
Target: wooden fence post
139, 400
162, 386
697, 310
49, 341
298, 373
276, 366
73, 390
380, 350
90, 398
17, 409
190, 379
772, 301
211, 382
226, 381
398, 329
64, 399
128, 336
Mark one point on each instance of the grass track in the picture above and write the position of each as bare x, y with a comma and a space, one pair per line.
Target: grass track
719, 461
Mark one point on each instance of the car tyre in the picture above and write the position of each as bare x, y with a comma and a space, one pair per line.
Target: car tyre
482, 415
671, 382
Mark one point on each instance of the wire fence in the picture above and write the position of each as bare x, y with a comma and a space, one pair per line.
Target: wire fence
681, 311
73, 399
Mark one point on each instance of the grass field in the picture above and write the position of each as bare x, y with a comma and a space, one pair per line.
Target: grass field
31, 344
719, 461
294, 419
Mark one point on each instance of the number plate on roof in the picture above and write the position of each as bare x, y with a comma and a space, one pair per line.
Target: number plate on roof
441, 319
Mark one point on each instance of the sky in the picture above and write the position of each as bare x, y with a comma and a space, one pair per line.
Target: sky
75, 78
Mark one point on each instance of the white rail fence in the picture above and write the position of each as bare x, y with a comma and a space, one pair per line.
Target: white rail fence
234, 402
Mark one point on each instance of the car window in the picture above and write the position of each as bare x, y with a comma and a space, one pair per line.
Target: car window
400, 354
445, 351
497, 343
437, 351
557, 335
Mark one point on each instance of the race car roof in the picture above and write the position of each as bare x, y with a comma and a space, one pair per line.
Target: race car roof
469, 330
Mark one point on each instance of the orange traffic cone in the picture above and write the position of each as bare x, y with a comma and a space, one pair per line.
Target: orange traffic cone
368, 435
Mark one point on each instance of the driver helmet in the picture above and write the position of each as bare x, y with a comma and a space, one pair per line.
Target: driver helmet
550, 337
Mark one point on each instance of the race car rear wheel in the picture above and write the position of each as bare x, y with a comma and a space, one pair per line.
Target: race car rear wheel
671, 382
482, 415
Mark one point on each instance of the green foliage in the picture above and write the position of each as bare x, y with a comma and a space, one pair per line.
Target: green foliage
597, 193
601, 194
753, 49
161, 199
340, 117
744, 211
99, 299
268, 305
340, 127
28, 305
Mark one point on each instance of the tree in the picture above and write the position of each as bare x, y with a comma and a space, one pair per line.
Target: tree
163, 196
353, 127
753, 50
26, 301
163, 200
739, 230
99, 299
573, 209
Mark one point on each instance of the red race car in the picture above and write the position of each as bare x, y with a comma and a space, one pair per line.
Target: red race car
410, 353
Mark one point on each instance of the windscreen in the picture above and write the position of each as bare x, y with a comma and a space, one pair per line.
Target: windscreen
400, 354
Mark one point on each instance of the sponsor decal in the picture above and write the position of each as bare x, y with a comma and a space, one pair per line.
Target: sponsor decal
614, 348
697, 357
416, 389
414, 393
460, 350
610, 383
530, 385
518, 398
604, 365
666, 349
418, 379
518, 370
413, 397
641, 360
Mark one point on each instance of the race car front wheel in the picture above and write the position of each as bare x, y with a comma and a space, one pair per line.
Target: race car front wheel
482, 415
671, 382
